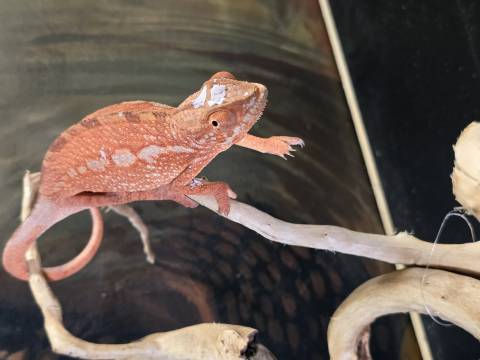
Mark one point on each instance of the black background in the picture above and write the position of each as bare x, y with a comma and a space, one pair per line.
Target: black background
416, 70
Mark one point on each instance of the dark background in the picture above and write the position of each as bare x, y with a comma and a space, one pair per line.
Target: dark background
62, 60
415, 66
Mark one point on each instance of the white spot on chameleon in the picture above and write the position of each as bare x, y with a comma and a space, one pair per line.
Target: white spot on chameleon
200, 100
96, 165
150, 152
71, 172
251, 103
248, 118
217, 95
235, 133
82, 169
123, 157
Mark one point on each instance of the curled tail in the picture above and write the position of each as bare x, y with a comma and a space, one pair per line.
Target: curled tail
44, 215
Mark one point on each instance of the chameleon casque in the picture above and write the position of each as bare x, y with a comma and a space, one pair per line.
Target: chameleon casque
141, 150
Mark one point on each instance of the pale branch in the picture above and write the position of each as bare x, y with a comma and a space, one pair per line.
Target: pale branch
449, 296
466, 172
401, 248
142, 229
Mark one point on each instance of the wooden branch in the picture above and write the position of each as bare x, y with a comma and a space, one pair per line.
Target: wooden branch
142, 229
402, 248
452, 297
466, 173
198, 342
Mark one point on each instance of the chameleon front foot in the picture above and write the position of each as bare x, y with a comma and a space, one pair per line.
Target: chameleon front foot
282, 145
276, 145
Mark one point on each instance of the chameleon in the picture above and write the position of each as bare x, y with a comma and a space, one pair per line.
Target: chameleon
141, 150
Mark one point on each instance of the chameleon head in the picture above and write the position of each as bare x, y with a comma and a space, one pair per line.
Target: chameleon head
224, 110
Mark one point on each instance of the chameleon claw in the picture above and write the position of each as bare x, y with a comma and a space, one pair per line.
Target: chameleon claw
298, 142
231, 194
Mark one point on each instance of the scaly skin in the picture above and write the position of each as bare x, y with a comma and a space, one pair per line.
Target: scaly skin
141, 150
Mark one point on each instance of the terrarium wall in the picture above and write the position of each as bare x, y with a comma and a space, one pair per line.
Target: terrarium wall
62, 60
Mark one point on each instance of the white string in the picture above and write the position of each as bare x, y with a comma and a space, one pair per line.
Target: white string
460, 212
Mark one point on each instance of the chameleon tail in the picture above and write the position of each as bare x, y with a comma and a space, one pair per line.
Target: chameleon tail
43, 216
61, 272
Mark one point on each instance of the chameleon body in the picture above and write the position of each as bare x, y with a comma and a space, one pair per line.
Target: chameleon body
141, 150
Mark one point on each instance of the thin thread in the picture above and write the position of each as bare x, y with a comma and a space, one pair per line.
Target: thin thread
460, 212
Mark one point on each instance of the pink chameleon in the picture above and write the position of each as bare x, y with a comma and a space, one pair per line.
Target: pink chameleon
140, 150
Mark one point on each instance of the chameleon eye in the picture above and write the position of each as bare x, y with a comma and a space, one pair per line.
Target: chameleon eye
221, 119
